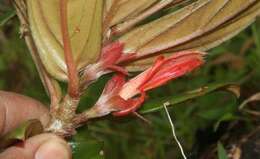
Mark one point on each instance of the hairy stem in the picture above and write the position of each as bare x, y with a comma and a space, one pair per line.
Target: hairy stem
73, 88
47, 81
86, 115
62, 120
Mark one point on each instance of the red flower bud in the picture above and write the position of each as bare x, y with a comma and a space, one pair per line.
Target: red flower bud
111, 53
118, 94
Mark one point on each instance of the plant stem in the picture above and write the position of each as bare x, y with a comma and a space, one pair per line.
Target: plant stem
62, 120
73, 86
47, 80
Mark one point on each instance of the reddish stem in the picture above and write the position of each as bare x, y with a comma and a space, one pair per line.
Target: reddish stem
73, 81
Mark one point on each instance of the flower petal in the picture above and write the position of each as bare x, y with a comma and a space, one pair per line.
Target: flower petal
131, 106
162, 71
172, 68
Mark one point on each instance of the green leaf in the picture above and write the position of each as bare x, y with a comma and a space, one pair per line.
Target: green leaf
87, 149
24, 131
157, 104
225, 117
256, 37
222, 154
6, 17
84, 146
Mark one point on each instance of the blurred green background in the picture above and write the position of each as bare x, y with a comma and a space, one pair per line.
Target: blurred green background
199, 123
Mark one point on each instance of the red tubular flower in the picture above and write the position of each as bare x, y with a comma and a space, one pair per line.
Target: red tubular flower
119, 96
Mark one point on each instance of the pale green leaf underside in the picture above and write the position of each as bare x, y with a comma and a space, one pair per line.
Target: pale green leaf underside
201, 25
84, 22
124, 9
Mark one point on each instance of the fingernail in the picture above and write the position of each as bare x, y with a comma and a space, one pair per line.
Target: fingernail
53, 150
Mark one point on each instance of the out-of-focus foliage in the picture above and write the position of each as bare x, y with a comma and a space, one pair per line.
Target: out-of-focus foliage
17, 71
198, 122
83, 146
222, 154
6, 17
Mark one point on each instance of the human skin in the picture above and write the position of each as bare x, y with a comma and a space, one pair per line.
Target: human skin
15, 109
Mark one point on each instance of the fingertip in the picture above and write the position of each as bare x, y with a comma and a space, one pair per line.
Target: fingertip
53, 149
49, 143
16, 109
44, 146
